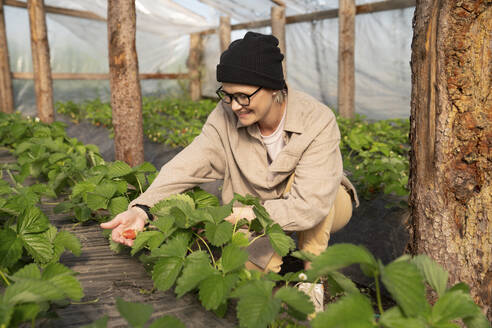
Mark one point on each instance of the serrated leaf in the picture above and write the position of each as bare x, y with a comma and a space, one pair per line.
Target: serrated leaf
179, 217
23, 313
218, 234
165, 225
30, 271
66, 240
394, 318
118, 205
219, 213
280, 242
337, 282
10, 248
118, 169
96, 202
433, 273
63, 207
32, 220
176, 247
303, 255
256, 307
142, 240
215, 289
31, 291
165, 272
239, 239
405, 283
203, 199
296, 300
233, 258
136, 314
197, 268
452, 305
38, 246
121, 186
145, 167
352, 311
62, 278
167, 322
339, 256
106, 189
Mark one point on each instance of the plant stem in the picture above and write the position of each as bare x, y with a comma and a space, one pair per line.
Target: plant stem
87, 302
257, 237
4, 278
139, 185
209, 251
378, 295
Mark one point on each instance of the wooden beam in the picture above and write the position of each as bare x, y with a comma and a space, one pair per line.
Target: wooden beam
224, 32
59, 10
194, 63
101, 76
324, 14
126, 96
346, 72
278, 30
6, 91
43, 85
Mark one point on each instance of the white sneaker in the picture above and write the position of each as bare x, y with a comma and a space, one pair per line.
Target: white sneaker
315, 292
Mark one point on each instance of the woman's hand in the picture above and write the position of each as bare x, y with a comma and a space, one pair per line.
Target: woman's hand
123, 224
239, 213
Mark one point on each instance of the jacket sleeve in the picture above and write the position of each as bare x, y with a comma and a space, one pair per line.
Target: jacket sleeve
317, 178
202, 161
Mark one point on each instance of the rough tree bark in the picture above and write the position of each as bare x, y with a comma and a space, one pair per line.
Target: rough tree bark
346, 72
6, 91
126, 97
194, 65
451, 137
43, 84
224, 32
277, 15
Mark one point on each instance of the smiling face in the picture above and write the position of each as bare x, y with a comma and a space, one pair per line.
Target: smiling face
261, 109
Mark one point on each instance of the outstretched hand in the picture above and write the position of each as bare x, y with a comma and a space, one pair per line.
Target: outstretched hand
239, 213
132, 219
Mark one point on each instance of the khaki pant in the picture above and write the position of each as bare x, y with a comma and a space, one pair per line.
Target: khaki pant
315, 240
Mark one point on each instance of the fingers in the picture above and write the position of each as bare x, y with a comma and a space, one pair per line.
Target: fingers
113, 223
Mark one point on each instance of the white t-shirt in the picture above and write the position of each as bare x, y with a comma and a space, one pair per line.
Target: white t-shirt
275, 142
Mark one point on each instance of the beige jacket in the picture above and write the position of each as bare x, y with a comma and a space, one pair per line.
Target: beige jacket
230, 151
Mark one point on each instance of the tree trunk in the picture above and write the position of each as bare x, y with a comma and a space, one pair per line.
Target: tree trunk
43, 85
451, 137
6, 92
126, 97
346, 73
278, 30
224, 32
194, 65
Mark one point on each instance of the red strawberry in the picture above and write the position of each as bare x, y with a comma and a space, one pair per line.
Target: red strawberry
129, 234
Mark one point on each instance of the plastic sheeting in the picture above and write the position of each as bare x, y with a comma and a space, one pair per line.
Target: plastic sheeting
382, 50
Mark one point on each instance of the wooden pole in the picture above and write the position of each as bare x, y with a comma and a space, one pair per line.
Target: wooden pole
126, 97
278, 30
6, 91
346, 41
59, 10
43, 85
194, 63
224, 32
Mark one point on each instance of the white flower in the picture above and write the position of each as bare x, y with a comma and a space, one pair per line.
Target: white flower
302, 276
37, 119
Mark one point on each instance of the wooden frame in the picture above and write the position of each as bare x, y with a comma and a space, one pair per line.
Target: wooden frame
100, 76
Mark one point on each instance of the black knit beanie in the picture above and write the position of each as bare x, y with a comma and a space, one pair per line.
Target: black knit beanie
254, 60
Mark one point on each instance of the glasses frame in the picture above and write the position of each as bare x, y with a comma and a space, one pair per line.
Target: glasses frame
234, 96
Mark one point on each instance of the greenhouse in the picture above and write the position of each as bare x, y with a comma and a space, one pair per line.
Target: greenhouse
111, 115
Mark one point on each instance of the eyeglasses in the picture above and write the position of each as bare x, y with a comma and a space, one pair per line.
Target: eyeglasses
241, 98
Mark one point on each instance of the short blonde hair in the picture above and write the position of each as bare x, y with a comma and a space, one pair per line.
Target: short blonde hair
279, 96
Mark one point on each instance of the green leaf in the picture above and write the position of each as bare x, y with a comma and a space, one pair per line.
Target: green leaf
23, 313
165, 224
106, 190
32, 220
136, 314
167, 322
281, 243
30, 271
63, 279
219, 213
99, 323
303, 255
38, 246
197, 268
179, 217
453, 305
31, 291
256, 307
215, 289
233, 258
433, 273
10, 248
239, 239
296, 300
176, 247
145, 167
203, 199
118, 205
165, 272
118, 169
218, 234
394, 318
337, 282
121, 186
143, 239
352, 311
405, 283
65, 240
95, 201
339, 256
